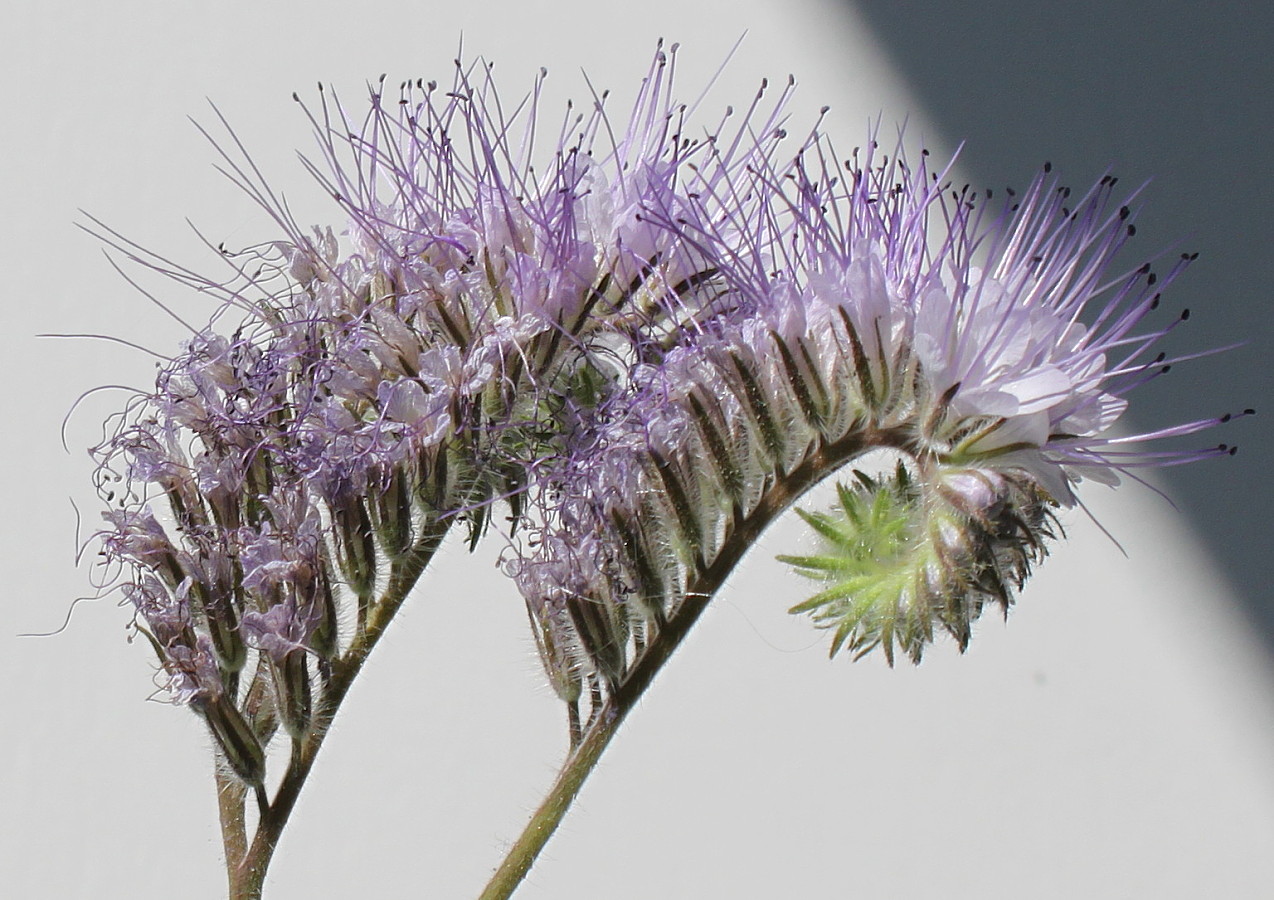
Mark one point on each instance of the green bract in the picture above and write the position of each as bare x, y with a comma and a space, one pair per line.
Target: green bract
904, 557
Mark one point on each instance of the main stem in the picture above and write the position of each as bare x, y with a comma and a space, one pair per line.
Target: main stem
246, 869
816, 465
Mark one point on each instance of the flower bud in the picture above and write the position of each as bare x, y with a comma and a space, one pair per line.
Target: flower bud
903, 559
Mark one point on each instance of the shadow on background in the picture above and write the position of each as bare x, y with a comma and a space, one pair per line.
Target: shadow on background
1178, 92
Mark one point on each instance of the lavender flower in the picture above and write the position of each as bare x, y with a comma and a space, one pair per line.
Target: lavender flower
875, 310
647, 344
371, 393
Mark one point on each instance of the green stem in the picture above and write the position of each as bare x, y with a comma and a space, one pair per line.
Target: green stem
247, 870
817, 464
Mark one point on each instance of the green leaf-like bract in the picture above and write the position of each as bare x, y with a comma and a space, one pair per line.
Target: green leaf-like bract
903, 558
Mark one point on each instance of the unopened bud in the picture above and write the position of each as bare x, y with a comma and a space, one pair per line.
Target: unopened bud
904, 559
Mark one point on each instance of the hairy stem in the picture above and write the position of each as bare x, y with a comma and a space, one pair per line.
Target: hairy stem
231, 795
247, 869
821, 461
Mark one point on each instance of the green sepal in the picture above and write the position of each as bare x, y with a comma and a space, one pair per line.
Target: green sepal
749, 392
238, 742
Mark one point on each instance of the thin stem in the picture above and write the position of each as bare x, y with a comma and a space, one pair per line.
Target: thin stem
248, 869
817, 464
231, 795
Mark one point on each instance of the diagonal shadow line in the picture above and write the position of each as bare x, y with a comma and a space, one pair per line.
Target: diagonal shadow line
1178, 92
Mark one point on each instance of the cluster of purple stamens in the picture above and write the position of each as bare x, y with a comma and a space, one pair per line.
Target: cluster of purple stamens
647, 343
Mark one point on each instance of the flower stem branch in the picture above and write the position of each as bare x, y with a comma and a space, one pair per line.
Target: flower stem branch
247, 868
817, 464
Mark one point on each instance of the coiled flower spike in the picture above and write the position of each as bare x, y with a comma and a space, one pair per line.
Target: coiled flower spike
648, 343
875, 310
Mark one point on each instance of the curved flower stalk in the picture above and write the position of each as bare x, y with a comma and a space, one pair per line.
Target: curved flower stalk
870, 309
281, 490
882, 313
648, 344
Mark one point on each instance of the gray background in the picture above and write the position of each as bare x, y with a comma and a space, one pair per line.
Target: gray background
1113, 740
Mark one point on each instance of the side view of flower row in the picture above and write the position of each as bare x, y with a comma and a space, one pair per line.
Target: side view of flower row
638, 345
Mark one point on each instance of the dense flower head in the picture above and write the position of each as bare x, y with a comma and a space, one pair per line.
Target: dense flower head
358, 394
648, 341
868, 306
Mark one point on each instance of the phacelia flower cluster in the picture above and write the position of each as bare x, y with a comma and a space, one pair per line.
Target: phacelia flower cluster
285, 483
647, 341
869, 306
